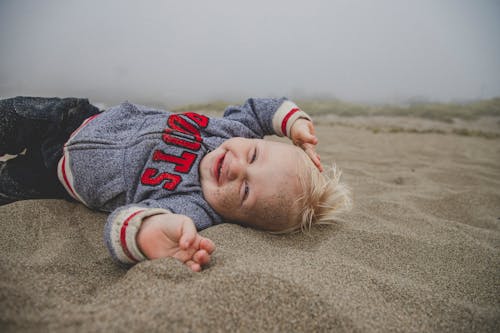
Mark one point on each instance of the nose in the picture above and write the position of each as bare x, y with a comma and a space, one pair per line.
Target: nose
236, 169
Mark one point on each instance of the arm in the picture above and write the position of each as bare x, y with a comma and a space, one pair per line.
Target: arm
280, 117
174, 235
138, 232
266, 116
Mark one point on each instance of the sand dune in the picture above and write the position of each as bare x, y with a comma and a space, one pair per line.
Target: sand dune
419, 252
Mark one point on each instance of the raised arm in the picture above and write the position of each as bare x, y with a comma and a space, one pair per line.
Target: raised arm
282, 117
266, 116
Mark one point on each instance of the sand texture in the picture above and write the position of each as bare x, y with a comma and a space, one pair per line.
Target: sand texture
419, 252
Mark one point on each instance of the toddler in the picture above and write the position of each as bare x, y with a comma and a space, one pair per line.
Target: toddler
164, 176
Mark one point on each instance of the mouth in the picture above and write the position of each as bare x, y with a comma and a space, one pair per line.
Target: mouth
218, 166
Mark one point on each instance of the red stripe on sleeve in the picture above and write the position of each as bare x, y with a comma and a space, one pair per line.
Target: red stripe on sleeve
65, 177
285, 120
84, 123
123, 236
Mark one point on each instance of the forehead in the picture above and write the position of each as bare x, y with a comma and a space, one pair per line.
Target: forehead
280, 157
278, 178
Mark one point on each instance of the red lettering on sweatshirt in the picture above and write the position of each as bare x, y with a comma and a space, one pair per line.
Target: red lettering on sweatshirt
189, 137
182, 163
183, 130
178, 123
176, 141
152, 177
201, 120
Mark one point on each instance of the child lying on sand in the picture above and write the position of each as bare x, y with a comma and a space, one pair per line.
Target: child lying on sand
164, 176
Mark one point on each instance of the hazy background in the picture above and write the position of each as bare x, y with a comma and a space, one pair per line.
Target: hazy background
175, 52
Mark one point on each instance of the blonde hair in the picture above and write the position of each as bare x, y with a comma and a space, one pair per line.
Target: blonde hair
323, 197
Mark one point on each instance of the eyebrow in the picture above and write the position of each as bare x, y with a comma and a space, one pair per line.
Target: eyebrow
260, 150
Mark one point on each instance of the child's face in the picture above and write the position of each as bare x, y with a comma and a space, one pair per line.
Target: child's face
251, 181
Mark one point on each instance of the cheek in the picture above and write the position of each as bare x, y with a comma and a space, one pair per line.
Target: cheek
224, 200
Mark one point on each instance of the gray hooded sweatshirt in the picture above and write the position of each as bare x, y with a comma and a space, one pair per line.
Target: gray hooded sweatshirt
134, 162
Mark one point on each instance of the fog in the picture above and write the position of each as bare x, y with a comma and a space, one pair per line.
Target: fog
175, 52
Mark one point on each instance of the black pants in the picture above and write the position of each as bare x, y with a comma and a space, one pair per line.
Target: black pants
35, 129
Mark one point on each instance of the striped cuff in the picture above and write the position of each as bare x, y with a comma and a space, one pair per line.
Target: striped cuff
124, 228
285, 116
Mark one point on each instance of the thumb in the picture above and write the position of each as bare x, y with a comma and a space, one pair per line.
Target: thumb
311, 134
305, 138
188, 234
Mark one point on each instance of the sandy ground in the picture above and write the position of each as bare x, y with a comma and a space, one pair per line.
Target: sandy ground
419, 252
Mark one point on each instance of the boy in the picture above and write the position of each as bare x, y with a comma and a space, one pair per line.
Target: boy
163, 176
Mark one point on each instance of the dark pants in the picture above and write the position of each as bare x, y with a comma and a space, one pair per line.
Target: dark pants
39, 127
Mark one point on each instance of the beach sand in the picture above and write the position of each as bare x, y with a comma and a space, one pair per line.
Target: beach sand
419, 252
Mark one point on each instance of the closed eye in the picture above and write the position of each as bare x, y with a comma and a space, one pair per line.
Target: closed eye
254, 156
246, 191
246, 187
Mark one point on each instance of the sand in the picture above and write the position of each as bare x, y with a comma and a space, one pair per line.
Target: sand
419, 252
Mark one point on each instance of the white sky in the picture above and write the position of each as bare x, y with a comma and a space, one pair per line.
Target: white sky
176, 52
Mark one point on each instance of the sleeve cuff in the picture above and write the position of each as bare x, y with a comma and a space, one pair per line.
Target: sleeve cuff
124, 228
285, 116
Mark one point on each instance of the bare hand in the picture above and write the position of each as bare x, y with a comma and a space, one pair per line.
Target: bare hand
303, 135
174, 235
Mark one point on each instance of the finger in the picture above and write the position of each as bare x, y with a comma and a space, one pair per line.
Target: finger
309, 148
317, 162
315, 158
184, 255
311, 128
188, 234
305, 138
201, 257
312, 139
312, 134
195, 267
207, 245
320, 166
